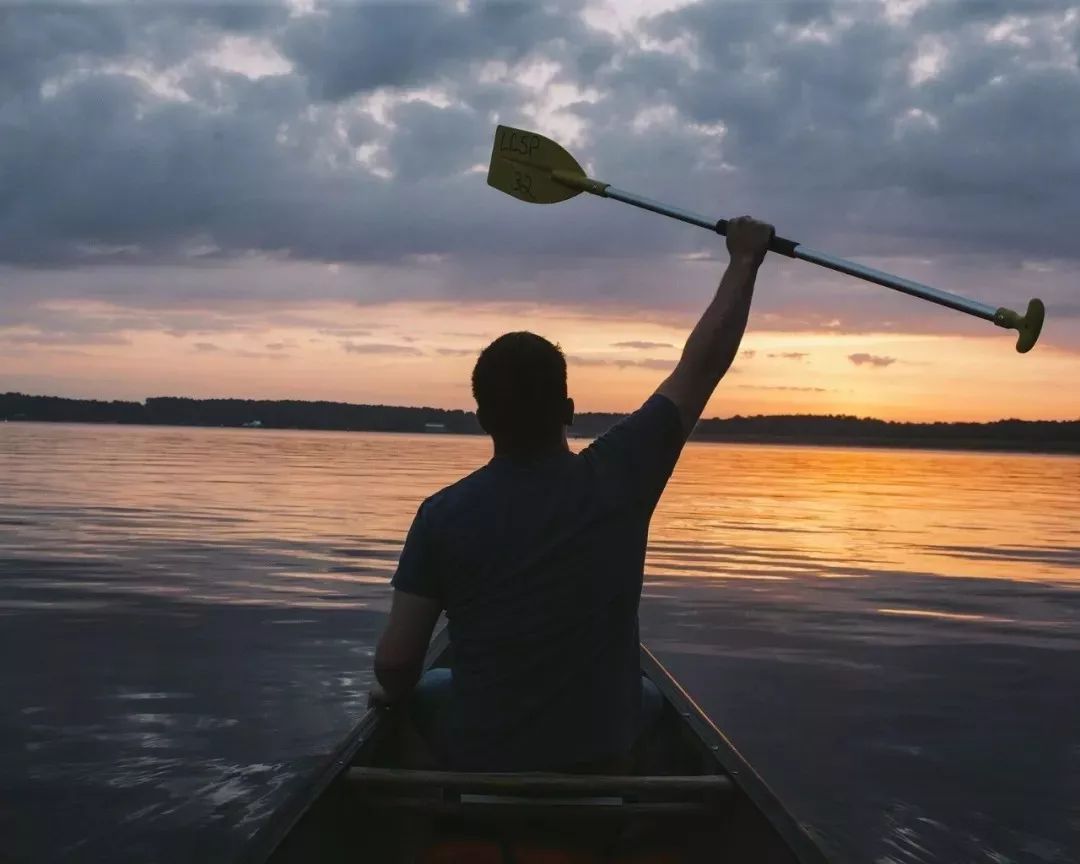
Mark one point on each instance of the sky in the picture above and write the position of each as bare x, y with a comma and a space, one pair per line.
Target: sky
289, 201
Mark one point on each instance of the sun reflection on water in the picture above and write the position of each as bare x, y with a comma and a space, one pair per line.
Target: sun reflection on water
207, 600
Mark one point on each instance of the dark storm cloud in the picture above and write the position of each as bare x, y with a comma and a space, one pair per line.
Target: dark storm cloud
806, 121
358, 47
38, 40
431, 143
834, 131
122, 143
946, 14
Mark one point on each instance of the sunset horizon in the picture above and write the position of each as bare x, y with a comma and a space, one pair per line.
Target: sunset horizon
422, 354
282, 207
504, 430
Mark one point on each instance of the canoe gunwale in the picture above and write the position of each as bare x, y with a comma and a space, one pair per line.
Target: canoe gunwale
267, 839
743, 783
745, 778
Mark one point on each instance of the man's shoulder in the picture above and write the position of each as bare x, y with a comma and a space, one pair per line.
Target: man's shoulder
461, 493
633, 460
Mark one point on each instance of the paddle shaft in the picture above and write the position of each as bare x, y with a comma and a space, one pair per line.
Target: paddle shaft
792, 249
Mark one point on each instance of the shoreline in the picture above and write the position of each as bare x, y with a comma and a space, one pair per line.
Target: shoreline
960, 445
808, 430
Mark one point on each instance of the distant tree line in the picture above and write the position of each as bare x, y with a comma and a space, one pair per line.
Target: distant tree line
270, 413
1030, 435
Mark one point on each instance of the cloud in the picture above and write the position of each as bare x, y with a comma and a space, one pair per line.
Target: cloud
621, 363
189, 158
641, 344
246, 353
871, 360
777, 387
384, 105
467, 334
343, 332
933, 136
790, 355
381, 348
936, 155
355, 48
457, 352
59, 338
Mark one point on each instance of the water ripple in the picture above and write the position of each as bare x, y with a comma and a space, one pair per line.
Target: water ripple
189, 617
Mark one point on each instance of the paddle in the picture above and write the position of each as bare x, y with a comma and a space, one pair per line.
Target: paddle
535, 169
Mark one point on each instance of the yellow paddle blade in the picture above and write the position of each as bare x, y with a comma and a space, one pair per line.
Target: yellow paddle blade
534, 168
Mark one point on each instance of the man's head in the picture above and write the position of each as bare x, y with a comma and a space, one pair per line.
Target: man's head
519, 383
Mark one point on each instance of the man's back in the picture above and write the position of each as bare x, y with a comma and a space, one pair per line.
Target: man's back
539, 567
538, 562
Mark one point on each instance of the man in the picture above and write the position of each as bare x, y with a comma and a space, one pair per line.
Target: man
537, 558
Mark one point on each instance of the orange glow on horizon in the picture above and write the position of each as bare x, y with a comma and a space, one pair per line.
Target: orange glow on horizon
422, 354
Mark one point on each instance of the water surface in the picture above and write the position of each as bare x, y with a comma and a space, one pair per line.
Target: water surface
187, 618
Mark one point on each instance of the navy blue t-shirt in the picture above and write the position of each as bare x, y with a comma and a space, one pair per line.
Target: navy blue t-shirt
539, 568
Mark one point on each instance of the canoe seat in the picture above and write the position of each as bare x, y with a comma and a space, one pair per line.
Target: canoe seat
464, 852
494, 852
718, 785
562, 796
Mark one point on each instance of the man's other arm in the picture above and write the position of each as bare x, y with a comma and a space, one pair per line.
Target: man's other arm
714, 342
399, 656
414, 609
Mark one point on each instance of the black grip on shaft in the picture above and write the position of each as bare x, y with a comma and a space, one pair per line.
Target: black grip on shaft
783, 246
778, 244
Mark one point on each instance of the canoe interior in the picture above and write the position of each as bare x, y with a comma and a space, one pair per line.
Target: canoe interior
689, 797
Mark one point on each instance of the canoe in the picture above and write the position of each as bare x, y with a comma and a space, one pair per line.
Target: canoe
691, 797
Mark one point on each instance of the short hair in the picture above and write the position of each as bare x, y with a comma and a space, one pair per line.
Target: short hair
519, 383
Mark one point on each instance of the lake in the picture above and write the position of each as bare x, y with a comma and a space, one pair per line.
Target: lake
187, 618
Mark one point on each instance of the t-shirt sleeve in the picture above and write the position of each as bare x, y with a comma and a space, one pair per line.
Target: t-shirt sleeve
636, 456
417, 572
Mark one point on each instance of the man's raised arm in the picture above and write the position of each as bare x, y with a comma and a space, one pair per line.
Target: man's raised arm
714, 342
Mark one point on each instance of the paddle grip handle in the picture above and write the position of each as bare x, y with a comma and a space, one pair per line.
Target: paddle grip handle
780, 245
